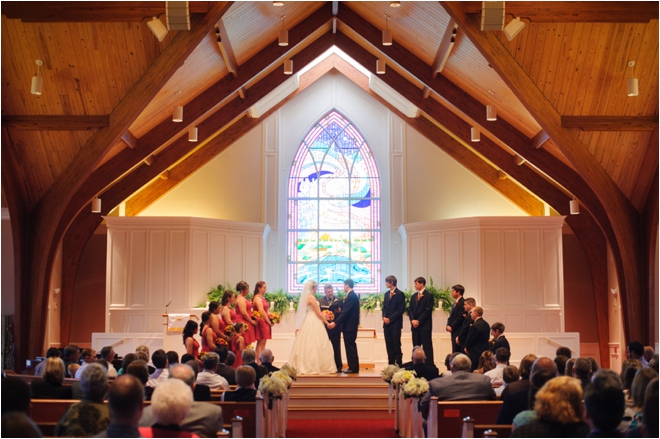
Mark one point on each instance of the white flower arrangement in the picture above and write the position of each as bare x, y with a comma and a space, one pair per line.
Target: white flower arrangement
389, 371
290, 371
403, 376
282, 376
415, 387
273, 385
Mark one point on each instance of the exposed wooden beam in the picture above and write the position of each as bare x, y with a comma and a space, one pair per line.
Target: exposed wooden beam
610, 123
577, 12
129, 139
45, 217
446, 44
643, 184
225, 48
540, 138
55, 123
91, 11
623, 217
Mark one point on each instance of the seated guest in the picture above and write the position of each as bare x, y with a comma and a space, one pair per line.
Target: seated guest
203, 419
649, 426
18, 424
267, 359
50, 386
594, 365
638, 391
138, 369
125, 399
231, 359
172, 357
90, 416
201, 392
51, 352
108, 354
510, 374
185, 358
499, 340
649, 352
559, 411
128, 359
565, 351
15, 395
501, 361
569, 367
604, 404
560, 361
523, 383
246, 391
161, 374
421, 368
448, 359
628, 370
88, 356
537, 381
636, 352
170, 405
582, 371
142, 353
250, 359
72, 369
70, 355
485, 362
225, 370
208, 376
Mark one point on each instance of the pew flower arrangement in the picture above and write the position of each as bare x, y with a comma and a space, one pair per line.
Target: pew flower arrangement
389, 371
273, 385
290, 371
415, 388
402, 377
282, 376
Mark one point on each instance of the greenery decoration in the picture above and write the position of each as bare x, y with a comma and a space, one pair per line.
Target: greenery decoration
369, 302
280, 300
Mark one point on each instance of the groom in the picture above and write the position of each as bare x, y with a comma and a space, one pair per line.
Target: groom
348, 321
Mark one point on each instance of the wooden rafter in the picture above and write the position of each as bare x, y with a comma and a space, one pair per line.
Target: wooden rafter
610, 123
55, 123
225, 48
446, 44
539, 139
623, 217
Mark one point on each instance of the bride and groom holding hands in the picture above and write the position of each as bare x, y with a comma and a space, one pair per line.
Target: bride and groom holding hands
316, 350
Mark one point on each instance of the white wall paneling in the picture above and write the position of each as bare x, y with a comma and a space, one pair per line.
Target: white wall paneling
512, 266
153, 261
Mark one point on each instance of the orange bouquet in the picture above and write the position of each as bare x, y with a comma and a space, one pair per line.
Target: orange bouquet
329, 316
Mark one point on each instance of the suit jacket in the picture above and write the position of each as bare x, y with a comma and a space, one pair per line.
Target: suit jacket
335, 304
240, 395
456, 317
477, 339
421, 309
260, 371
270, 368
393, 308
465, 328
202, 392
349, 318
203, 419
459, 386
501, 342
424, 370
228, 373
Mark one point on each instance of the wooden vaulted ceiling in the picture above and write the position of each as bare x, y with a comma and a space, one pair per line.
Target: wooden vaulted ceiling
109, 88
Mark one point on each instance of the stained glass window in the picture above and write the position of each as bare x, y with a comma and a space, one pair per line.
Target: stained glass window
334, 209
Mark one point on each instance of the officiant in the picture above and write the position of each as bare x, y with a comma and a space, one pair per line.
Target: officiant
332, 303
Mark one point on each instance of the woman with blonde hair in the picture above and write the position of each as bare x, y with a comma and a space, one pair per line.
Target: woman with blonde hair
50, 385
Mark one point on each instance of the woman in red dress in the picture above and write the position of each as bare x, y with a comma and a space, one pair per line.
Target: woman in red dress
207, 333
227, 314
192, 346
263, 327
237, 344
244, 311
215, 321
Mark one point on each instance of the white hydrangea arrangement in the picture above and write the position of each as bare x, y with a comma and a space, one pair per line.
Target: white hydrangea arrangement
389, 371
282, 376
290, 371
273, 385
415, 387
403, 376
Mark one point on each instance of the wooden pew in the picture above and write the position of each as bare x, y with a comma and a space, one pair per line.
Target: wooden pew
46, 413
471, 429
446, 417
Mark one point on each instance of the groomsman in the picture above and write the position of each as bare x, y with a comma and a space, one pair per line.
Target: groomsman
456, 316
333, 303
499, 340
468, 304
394, 304
420, 312
477, 339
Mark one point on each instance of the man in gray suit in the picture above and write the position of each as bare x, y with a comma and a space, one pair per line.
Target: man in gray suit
203, 419
461, 385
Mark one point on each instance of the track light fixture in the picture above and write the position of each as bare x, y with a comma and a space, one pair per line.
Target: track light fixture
513, 28
96, 205
387, 33
633, 83
283, 38
37, 81
192, 134
380, 66
278, 3
158, 28
574, 207
491, 111
475, 134
395, 4
177, 113
288, 66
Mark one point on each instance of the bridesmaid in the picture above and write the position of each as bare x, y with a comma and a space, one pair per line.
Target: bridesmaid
264, 325
207, 334
192, 346
227, 314
244, 311
237, 344
214, 320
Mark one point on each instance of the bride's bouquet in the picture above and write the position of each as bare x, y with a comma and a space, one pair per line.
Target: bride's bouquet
275, 318
389, 371
415, 388
329, 315
403, 376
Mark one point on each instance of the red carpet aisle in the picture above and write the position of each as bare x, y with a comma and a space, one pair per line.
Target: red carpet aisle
340, 428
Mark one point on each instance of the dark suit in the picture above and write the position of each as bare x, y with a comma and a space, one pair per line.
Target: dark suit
459, 386
455, 321
335, 304
240, 395
349, 320
501, 342
424, 370
477, 341
270, 368
393, 308
259, 370
465, 330
422, 309
202, 392
228, 373
203, 419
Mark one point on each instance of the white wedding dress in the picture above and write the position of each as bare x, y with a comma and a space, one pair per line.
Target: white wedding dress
312, 352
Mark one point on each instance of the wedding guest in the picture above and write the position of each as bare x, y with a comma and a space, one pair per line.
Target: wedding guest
638, 390
237, 344
649, 352
161, 374
510, 374
244, 312
231, 359
207, 333
246, 391
267, 359
170, 405
138, 369
394, 304
263, 328
250, 359
501, 361
142, 353
628, 370
51, 352
224, 369
485, 362
72, 369
563, 350
560, 361
108, 354
524, 370
521, 393
125, 400
208, 376
185, 358
50, 385
192, 345
88, 355
16, 391
569, 367
636, 352
18, 424
70, 355
90, 416
128, 359
582, 371
172, 357
604, 404
421, 367
201, 392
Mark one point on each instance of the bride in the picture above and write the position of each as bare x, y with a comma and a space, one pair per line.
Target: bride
312, 352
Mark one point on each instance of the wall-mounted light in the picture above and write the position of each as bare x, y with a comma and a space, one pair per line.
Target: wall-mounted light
633, 83
513, 28
574, 207
475, 134
37, 81
177, 112
288, 66
96, 205
283, 38
157, 28
380, 66
192, 134
491, 111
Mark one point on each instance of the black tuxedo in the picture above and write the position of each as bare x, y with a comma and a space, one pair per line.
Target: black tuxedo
349, 320
501, 342
421, 309
335, 304
393, 308
477, 341
455, 322
270, 368
465, 329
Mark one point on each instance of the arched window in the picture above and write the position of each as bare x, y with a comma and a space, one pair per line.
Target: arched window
334, 225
